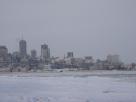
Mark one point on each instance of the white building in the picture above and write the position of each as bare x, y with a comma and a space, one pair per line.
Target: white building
113, 59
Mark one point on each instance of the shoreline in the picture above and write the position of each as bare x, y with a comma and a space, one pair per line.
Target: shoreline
70, 73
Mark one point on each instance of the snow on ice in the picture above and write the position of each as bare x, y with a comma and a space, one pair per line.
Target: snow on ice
67, 89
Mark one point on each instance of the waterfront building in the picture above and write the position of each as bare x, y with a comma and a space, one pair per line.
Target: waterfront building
45, 54
3, 55
23, 48
70, 55
113, 59
33, 53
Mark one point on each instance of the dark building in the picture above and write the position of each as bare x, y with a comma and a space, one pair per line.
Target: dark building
3, 51
70, 55
33, 53
3, 55
23, 48
45, 53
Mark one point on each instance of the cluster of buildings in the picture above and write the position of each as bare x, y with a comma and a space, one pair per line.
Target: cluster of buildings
22, 61
112, 62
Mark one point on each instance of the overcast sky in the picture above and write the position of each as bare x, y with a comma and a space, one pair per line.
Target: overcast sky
86, 27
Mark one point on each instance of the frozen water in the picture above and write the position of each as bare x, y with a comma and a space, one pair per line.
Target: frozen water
67, 89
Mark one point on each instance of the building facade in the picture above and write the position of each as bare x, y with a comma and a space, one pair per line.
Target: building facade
45, 54
70, 55
33, 53
113, 59
3, 55
23, 48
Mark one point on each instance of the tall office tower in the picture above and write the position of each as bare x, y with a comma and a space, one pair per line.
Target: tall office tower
3, 53
45, 53
33, 53
70, 55
23, 48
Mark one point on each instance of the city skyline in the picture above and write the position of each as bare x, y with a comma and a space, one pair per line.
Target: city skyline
38, 51
45, 54
90, 27
67, 50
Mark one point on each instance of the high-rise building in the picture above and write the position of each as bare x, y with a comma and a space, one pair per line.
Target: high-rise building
33, 53
3, 52
3, 55
45, 53
23, 48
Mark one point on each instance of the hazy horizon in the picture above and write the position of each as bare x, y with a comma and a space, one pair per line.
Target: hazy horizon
86, 27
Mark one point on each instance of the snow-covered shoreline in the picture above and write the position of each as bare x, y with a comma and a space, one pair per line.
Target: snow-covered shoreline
70, 73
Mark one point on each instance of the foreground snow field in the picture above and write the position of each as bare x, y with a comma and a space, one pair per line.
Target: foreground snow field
68, 88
